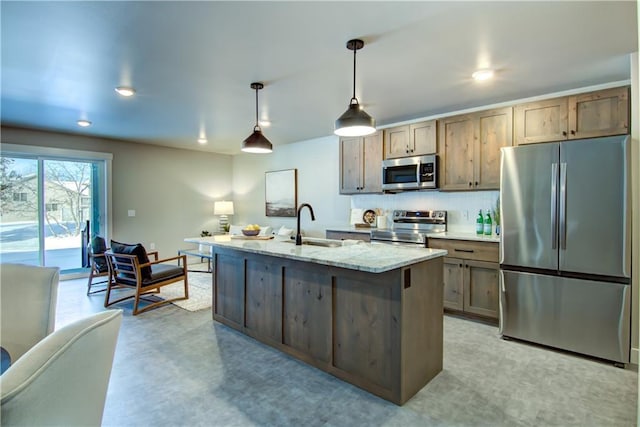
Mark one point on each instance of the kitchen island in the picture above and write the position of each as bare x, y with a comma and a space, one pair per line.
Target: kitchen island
368, 314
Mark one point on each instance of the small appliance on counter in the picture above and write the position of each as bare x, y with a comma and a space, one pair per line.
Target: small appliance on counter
411, 228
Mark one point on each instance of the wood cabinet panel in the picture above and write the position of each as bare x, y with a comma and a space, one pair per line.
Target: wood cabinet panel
423, 138
467, 249
600, 113
229, 289
372, 165
453, 284
361, 164
362, 330
470, 276
588, 115
307, 312
541, 121
264, 299
416, 139
495, 130
457, 139
396, 142
481, 288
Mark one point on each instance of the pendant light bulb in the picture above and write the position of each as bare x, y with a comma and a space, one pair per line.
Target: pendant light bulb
355, 121
257, 142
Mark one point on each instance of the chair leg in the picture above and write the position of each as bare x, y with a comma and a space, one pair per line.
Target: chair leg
89, 282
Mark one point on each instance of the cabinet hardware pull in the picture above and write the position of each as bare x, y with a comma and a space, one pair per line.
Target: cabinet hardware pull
564, 133
470, 184
463, 250
573, 132
460, 266
476, 183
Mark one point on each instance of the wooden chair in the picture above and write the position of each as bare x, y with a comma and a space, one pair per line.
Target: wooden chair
99, 267
145, 278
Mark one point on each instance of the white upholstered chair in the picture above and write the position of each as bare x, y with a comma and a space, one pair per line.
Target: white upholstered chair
28, 306
63, 379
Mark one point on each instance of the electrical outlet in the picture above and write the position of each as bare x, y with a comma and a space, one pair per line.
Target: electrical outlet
131, 212
152, 246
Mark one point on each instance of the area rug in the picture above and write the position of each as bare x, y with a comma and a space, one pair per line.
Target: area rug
199, 292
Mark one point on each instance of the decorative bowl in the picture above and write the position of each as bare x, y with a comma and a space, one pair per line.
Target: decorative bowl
250, 232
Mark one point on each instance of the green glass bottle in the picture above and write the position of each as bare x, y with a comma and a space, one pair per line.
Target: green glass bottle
487, 223
479, 223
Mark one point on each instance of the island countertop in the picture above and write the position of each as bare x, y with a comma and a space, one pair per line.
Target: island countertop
360, 256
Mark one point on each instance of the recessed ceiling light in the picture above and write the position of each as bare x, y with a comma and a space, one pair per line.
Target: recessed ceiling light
83, 123
202, 140
483, 74
125, 91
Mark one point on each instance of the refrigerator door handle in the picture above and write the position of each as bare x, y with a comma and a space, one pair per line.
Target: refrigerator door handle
563, 206
554, 205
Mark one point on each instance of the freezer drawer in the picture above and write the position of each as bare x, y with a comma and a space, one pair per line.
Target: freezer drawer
579, 315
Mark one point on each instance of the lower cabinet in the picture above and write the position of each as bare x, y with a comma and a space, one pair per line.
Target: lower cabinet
470, 285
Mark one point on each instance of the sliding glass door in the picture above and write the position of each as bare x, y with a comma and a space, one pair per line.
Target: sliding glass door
49, 208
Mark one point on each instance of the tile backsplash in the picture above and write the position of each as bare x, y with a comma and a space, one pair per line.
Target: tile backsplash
462, 207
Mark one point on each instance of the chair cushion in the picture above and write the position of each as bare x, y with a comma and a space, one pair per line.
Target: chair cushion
99, 246
133, 249
160, 272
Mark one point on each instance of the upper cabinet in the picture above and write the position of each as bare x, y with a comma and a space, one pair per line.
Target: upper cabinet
600, 113
416, 139
361, 164
469, 149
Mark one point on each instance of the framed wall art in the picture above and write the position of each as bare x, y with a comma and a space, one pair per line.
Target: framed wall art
281, 192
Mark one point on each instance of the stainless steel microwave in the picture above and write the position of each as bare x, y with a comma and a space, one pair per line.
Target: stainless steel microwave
410, 173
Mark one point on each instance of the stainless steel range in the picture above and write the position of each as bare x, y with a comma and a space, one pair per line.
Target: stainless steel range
411, 228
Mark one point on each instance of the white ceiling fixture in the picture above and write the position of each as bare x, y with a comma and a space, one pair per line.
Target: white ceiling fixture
482, 74
202, 140
355, 121
83, 123
125, 91
257, 142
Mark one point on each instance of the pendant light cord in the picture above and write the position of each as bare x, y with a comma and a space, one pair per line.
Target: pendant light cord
354, 78
256, 126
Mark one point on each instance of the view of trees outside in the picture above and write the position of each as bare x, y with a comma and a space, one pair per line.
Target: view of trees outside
67, 205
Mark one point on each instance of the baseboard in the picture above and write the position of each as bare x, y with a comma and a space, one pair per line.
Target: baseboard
634, 356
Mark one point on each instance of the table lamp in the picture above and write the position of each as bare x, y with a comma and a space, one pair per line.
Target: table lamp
223, 209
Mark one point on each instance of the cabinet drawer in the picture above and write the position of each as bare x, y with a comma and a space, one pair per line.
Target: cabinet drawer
467, 249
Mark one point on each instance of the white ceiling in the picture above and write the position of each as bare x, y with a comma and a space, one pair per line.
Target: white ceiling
192, 62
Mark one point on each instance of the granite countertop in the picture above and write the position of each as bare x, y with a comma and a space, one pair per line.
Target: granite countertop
353, 255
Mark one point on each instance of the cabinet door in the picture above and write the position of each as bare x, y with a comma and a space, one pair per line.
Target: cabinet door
372, 163
423, 138
351, 165
601, 113
452, 278
457, 140
481, 288
396, 142
229, 290
541, 121
495, 130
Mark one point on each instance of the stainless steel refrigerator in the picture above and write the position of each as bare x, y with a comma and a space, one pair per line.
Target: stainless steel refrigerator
565, 246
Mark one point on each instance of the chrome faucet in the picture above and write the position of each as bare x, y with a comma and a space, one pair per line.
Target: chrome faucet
313, 218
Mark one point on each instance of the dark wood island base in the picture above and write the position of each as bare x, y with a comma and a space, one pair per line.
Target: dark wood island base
379, 331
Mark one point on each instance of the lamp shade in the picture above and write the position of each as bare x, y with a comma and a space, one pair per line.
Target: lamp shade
223, 208
355, 122
257, 143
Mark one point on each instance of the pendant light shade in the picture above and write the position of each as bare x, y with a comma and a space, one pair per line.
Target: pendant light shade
355, 121
257, 142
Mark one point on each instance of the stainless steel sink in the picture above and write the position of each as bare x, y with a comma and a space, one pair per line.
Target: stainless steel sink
327, 243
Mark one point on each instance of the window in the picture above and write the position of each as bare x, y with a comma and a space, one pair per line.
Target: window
51, 207
19, 197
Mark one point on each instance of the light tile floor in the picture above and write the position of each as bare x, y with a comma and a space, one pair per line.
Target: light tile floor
173, 367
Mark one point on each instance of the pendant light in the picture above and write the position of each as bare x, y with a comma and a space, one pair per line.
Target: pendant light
257, 142
355, 121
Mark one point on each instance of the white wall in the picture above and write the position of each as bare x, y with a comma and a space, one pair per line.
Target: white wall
317, 162
171, 190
